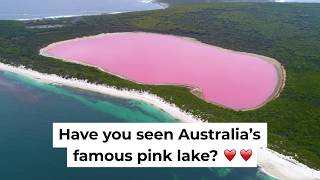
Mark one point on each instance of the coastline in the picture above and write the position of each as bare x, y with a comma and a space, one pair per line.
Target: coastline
64, 16
284, 167
103, 89
269, 162
194, 90
162, 6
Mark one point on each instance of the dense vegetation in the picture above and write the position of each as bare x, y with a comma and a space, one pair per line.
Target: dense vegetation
287, 32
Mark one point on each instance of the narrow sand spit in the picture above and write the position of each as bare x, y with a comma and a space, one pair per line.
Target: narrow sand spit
270, 162
194, 90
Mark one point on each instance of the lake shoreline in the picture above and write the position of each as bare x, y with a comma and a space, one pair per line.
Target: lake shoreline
281, 72
270, 162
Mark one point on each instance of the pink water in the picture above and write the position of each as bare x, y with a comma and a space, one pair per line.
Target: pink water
227, 78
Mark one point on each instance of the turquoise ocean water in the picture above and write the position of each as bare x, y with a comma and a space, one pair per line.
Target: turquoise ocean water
27, 110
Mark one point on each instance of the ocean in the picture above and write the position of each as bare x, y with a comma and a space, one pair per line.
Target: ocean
27, 109
33, 9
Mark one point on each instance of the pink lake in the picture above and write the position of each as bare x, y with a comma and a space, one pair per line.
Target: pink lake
227, 78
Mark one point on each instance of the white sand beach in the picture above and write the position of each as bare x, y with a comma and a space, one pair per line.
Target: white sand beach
270, 162
284, 167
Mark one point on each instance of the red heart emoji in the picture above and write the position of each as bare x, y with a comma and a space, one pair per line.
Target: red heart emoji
230, 154
246, 154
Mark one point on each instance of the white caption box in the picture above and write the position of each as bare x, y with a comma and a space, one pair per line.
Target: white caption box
159, 144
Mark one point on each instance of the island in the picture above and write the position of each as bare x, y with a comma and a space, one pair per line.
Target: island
285, 32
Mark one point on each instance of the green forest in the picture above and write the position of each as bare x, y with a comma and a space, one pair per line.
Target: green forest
289, 33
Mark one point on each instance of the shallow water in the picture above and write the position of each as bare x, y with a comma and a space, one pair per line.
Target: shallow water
27, 110
30, 9
227, 78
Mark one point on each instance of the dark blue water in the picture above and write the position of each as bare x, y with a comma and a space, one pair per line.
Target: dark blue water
27, 110
30, 9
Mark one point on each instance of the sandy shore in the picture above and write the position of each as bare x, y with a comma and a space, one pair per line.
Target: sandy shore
284, 167
113, 91
270, 162
194, 90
